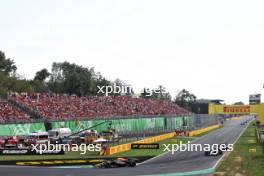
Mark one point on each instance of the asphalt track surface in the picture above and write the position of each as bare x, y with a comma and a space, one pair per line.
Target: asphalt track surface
163, 164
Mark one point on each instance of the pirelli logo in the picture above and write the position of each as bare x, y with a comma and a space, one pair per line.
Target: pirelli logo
145, 146
237, 109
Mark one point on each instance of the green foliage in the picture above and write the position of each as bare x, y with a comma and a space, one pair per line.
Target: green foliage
75, 79
64, 78
7, 66
42, 75
9, 81
145, 93
13, 84
184, 99
239, 103
159, 93
70, 78
39, 86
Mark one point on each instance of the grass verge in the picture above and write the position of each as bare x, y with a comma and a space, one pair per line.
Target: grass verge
242, 161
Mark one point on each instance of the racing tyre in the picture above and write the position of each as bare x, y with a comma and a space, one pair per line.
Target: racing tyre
132, 163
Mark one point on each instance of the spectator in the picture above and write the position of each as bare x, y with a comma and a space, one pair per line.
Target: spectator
10, 114
64, 107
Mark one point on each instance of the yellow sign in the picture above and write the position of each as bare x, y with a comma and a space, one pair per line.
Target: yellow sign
252, 150
257, 109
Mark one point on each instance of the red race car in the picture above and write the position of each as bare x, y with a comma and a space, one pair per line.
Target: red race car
11, 142
2, 143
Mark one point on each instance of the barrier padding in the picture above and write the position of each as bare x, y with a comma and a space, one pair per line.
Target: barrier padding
203, 130
127, 146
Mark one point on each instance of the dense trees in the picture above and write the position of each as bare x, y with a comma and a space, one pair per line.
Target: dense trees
13, 84
74, 79
42, 75
64, 78
157, 93
7, 66
239, 103
184, 99
8, 78
71, 78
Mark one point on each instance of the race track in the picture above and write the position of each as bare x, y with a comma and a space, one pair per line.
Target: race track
166, 163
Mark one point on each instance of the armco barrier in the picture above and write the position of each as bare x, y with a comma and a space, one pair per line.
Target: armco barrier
126, 147
203, 130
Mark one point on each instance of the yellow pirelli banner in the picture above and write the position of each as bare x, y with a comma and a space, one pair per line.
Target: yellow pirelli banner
229, 109
257, 109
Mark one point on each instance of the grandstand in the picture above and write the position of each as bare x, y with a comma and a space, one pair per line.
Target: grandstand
10, 114
67, 107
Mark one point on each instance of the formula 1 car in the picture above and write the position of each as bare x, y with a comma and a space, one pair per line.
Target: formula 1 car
215, 153
2, 143
243, 123
218, 151
11, 142
119, 162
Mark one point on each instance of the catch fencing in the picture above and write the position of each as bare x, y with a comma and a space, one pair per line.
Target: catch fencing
126, 126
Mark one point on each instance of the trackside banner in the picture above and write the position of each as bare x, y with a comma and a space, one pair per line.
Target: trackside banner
121, 125
29, 152
236, 109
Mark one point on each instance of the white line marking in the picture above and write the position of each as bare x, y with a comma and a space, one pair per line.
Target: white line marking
242, 132
196, 138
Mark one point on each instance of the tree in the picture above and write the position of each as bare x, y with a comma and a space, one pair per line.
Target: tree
65, 77
9, 80
161, 93
75, 79
239, 103
7, 66
100, 82
42, 75
167, 96
39, 86
184, 99
145, 93
125, 89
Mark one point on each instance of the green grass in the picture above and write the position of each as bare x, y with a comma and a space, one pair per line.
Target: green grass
241, 161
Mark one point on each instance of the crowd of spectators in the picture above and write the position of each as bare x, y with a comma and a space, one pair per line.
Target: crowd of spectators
11, 114
64, 107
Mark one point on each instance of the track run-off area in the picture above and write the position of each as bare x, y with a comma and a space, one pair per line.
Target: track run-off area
180, 163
